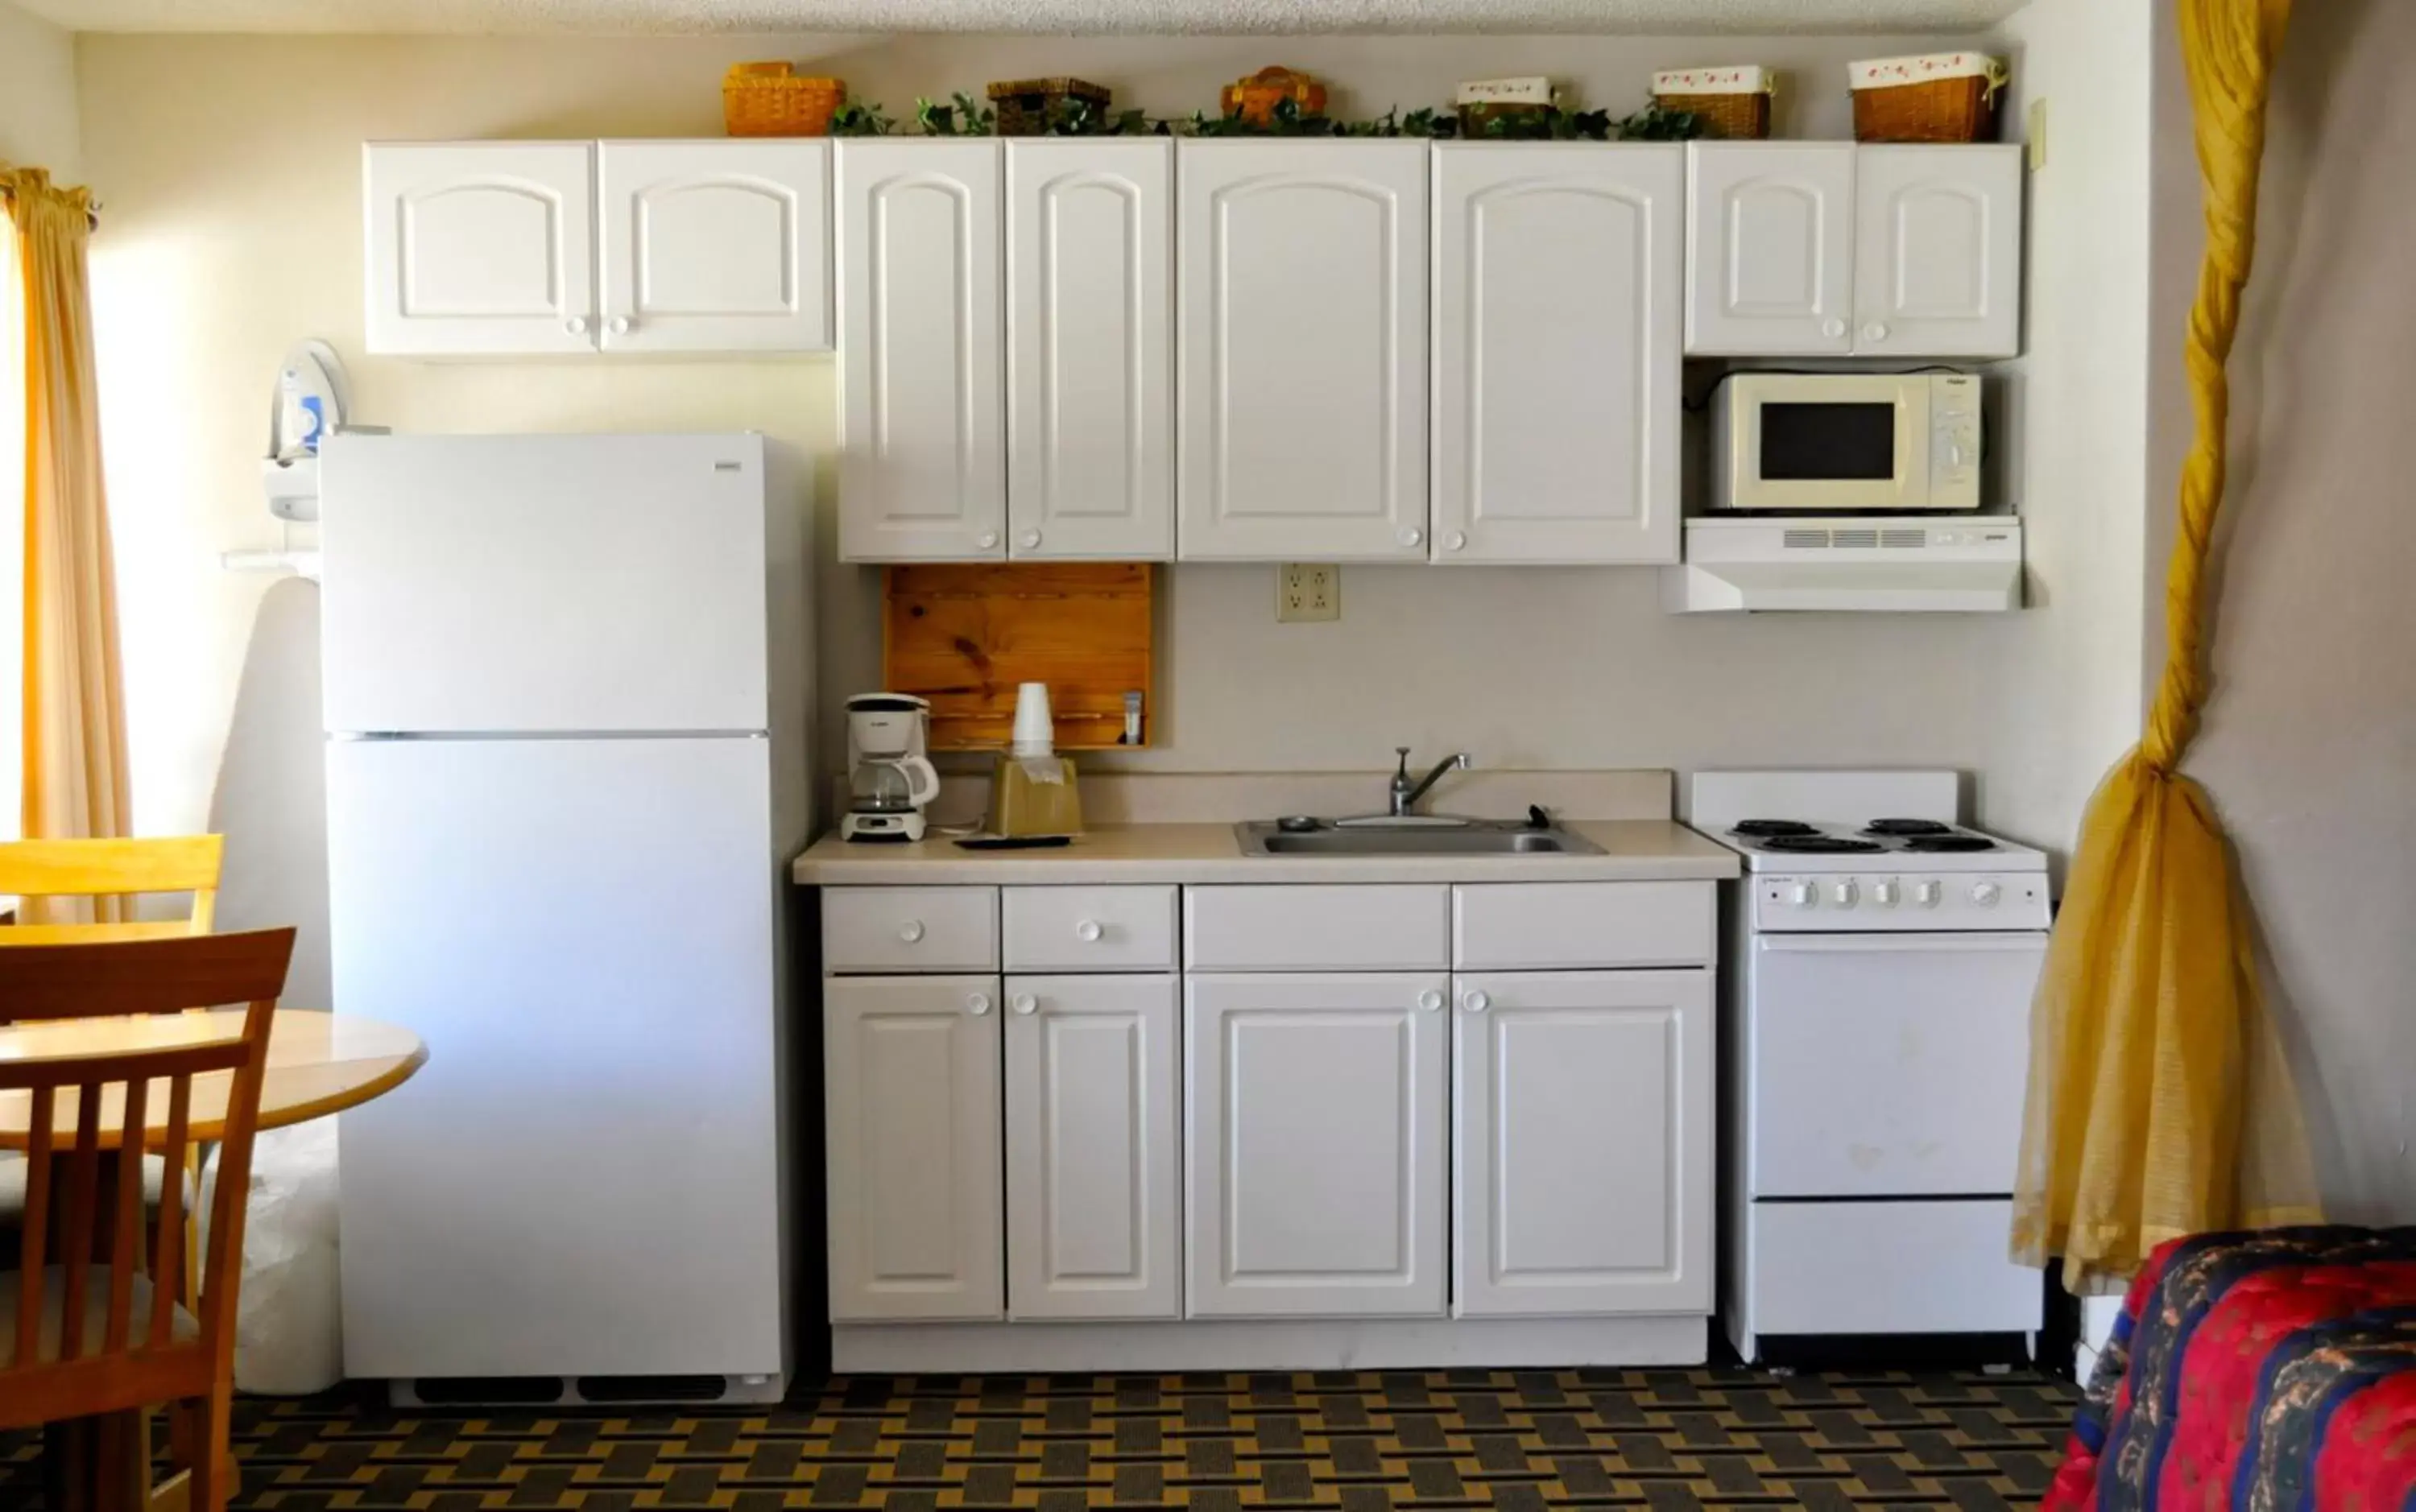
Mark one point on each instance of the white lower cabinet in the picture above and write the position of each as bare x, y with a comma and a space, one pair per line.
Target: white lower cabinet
1093, 1205
1315, 1141
911, 1099
1582, 1143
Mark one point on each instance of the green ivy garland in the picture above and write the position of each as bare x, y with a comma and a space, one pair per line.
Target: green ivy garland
963, 117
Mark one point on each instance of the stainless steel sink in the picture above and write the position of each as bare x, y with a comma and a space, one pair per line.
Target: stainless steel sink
1477, 837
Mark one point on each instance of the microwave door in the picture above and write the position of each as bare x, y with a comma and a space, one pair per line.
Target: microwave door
1837, 443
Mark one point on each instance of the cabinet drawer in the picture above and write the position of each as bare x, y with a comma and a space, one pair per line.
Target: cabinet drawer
1581, 926
1089, 929
1317, 928
910, 929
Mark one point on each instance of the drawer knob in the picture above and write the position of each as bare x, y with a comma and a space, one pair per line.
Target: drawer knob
1088, 930
1025, 1003
1476, 1002
977, 1003
911, 931
1430, 1000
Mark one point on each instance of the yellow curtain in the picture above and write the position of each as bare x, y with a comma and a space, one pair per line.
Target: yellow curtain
2159, 1101
75, 770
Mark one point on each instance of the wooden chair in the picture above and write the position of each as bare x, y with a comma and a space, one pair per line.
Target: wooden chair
89, 1325
109, 869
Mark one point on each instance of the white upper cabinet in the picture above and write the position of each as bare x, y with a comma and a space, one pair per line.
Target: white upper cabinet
1090, 314
922, 358
1770, 241
1094, 1147
478, 248
1938, 252
1316, 1142
911, 1107
715, 246
1558, 317
1582, 1143
1301, 336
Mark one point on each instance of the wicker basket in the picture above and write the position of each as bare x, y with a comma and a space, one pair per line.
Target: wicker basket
1481, 101
1733, 102
1255, 99
1945, 96
772, 100
1029, 107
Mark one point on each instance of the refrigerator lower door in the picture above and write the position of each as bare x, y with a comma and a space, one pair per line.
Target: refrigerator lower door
583, 1179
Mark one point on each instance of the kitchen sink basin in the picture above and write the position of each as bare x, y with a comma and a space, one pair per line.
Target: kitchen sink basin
1476, 838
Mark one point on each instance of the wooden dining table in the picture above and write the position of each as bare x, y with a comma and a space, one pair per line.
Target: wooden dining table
318, 1064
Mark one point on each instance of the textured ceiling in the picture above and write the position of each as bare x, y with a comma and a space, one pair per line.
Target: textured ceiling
1092, 17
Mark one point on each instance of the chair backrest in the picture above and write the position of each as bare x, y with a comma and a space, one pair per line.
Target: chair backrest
113, 869
86, 1216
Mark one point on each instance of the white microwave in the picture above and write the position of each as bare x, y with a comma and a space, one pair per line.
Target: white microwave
1841, 442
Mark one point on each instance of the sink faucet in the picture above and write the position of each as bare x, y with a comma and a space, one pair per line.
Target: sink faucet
1407, 793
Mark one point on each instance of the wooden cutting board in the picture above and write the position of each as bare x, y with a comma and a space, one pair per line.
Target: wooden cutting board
965, 634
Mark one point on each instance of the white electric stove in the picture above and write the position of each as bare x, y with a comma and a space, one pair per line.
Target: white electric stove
1876, 1031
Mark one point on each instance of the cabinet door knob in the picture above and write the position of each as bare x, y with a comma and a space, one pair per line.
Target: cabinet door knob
1876, 331
911, 931
1476, 1002
1031, 539
1832, 328
1412, 537
1088, 930
977, 1004
1456, 541
618, 325
1430, 1000
987, 540
575, 326
1025, 1003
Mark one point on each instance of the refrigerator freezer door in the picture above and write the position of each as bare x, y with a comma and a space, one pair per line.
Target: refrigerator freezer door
483, 584
583, 1180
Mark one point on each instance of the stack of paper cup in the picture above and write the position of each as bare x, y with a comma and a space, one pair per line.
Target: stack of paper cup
1036, 735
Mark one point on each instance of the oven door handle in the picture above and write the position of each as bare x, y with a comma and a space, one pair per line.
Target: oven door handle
1896, 943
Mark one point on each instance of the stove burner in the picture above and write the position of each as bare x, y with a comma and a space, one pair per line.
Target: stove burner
1820, 844
1949, 843
1907, 827
1764, 828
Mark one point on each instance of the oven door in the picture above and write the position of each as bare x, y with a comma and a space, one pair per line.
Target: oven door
1888, 1065
1828, 442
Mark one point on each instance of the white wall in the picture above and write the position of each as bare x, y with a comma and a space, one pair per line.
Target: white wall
2310, 737
230, 167
37, 94
2067, 690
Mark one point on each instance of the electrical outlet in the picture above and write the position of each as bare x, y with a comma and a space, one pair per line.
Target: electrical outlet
1307, 590
2037, 134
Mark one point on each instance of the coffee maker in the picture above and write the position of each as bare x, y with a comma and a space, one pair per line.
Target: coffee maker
889, 776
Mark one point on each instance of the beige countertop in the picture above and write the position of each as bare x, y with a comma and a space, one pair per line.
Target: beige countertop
1633, 850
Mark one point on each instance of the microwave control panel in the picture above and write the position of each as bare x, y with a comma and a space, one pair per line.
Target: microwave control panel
1954, 442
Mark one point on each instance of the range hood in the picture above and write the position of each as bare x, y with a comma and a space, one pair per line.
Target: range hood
1972, 564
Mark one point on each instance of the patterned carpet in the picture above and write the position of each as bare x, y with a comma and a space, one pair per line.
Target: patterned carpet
1517, 1440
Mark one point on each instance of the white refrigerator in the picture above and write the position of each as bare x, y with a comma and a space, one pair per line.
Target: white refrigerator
567, 684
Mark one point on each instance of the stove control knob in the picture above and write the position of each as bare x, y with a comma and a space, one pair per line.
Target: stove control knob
1986, 893
1885, 895
1925, 894
1846, 893
1803, 894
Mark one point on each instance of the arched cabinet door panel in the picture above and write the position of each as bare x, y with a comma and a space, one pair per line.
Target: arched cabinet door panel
710, 247
1301, 338
1770, 247
1558, 309
478, 249
1938, 252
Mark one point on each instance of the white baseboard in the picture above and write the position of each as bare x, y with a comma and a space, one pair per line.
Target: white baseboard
1387, 1344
